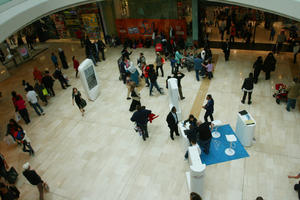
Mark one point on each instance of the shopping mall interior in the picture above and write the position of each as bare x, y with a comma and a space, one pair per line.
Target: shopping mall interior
100, 153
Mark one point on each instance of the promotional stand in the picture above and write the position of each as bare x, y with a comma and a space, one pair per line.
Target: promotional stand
245, 127
174, 96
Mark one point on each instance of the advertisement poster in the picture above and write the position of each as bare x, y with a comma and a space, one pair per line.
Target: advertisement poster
143, 28
91, 25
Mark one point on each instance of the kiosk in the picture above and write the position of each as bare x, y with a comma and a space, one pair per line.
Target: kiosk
89, 79
174, 96
245, 127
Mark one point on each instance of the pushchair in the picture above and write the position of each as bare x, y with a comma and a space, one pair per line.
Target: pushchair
280, 93
188, 62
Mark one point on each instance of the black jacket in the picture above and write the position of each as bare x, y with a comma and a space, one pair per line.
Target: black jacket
269, 64
248, 84
152, 75
32, 177
191, 134
47, 81
141, 116
171, 120
204, 131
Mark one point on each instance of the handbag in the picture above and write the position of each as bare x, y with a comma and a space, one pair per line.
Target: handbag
82, 103
17, 116
45, 92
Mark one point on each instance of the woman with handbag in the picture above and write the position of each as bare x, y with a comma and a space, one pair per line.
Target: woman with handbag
135, 98
80, 102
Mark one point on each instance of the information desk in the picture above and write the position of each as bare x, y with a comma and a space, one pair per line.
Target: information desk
195, 177
245, 127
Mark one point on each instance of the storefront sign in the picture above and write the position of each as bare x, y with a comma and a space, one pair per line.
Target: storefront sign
144, 28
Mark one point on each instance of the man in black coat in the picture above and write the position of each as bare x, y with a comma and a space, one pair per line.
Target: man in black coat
226, 49
34, 179
48, 81
248, 88
172, 121
269, 65
140, 117
101, 47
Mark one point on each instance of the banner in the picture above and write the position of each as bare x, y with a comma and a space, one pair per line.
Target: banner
91, 25
144, 28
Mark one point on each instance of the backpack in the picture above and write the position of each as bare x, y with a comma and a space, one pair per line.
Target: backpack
19, 135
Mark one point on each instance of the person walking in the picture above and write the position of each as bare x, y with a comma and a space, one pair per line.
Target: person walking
63, 59
153, 80
21, 108
41, 92
296, 51
80, 102
269, 65
33, 101
141, 62
140, 117
209, 107
258, 66
179, 76
159, 64
75, 65
19, 135
101, 47
172, 121
48, 82
34, 179
136, 98
232, 33
198, 66
226, 49
54, 59
247, 87
178, 58
59, 75
293, 93
37, 74
280, 40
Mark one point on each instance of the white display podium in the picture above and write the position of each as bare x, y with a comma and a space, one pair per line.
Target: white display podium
174, 96
245, 127
89, 79
195, 177
185, 140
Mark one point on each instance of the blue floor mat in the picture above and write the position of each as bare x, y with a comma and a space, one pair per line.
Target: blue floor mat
218, 146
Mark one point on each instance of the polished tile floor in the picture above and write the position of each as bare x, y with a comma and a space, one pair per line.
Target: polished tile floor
99, 156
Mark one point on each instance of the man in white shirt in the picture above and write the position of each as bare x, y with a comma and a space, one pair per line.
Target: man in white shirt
32, 99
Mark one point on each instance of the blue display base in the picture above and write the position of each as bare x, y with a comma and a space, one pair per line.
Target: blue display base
218, 146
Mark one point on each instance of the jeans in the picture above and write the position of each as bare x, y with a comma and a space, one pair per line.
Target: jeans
147, 81
205, 145
290, 103
156, 86
206, 116
37, 107
197, 74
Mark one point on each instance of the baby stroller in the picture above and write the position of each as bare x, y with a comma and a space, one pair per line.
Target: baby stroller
280, 92
188, 62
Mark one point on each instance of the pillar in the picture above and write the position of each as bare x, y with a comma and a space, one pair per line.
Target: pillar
195, 20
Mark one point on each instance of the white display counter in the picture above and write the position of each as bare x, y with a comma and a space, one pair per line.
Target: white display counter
174, 96
195, 177
245, 127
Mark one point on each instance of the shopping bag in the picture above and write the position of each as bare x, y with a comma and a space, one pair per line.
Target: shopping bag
45, 92
8, 140
46, 187
17, 116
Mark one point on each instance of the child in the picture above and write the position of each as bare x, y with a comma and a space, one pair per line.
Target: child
209, 69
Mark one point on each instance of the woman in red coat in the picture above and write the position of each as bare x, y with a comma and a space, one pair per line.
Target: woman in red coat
37, 74
21, 108
76, 65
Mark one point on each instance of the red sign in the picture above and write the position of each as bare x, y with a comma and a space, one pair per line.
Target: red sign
143, 28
